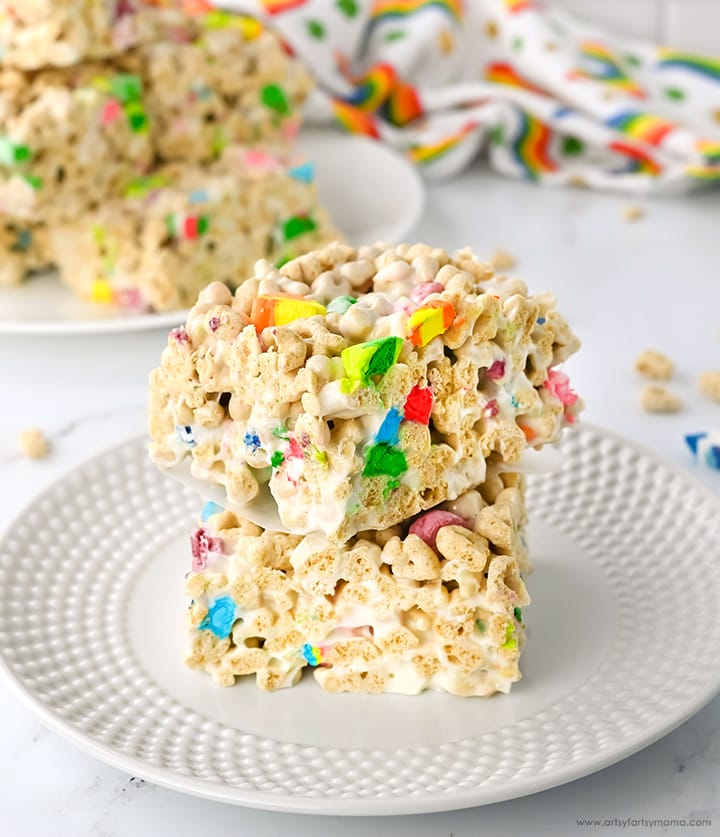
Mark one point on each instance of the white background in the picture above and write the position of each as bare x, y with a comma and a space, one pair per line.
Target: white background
686, 24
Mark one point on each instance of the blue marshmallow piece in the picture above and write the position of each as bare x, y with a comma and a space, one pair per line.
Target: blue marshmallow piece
389, 429
305, 172
209, 509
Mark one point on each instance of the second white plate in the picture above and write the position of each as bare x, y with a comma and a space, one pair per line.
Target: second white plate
371, 192
624, 642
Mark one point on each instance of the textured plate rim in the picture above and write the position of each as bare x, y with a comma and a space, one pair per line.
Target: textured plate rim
286, 803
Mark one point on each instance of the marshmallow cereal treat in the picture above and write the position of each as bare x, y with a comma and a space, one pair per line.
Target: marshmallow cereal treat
361, 387
181, 227
434, 603
47, 33
68, 138
218, 79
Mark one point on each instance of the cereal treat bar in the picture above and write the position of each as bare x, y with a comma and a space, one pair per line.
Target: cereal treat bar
433, 604
68, 138
23, 248
42, 33
182, 227
361, 387
215, 80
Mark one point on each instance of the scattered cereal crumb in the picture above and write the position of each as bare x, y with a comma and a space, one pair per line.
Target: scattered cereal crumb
502, 260
710, 384
633, 213
656, 399
33, 444
654, 365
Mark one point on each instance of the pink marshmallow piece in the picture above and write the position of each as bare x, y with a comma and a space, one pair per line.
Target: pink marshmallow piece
558, 384
429, 524
422, 291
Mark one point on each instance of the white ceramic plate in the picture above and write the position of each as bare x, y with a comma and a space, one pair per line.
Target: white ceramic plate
371, 193
623, 646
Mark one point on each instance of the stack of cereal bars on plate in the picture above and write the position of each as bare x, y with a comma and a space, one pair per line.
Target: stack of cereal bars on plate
145, 152
384, 398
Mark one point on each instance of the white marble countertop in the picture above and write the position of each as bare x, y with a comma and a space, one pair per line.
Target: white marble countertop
623, 286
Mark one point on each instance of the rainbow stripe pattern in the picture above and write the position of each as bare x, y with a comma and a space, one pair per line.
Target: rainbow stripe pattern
642, 127
383, 10
515, 6
500, 72
424, 154
355, 120
710, 149
604, 66
531, 147
639, 161
277, 7
698, 64
709, 173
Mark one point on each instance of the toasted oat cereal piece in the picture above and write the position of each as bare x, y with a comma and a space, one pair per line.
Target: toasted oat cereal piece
364, 386
33, 443
633, 213
709, 383
655, 399
654, 365
182, 227
44, 33
370, 616
501, 260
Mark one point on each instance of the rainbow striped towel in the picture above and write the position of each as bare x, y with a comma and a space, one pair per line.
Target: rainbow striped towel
551, 99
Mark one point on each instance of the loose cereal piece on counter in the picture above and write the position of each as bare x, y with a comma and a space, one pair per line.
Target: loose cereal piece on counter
57, 33
654, 365
386, 612
501, 260
710, 384
705, 447
181, 227
655, 399
633, 213
394, 376
33, 443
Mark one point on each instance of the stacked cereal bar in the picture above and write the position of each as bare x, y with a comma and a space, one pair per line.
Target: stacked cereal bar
57, 33
183, 227
432, 604
384, 397
362, 386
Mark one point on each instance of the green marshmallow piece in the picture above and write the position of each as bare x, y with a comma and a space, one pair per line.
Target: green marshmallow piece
297, 225
384, 459
13, 153
34, 181
340, 304
126, 87
273, 97
374, 358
